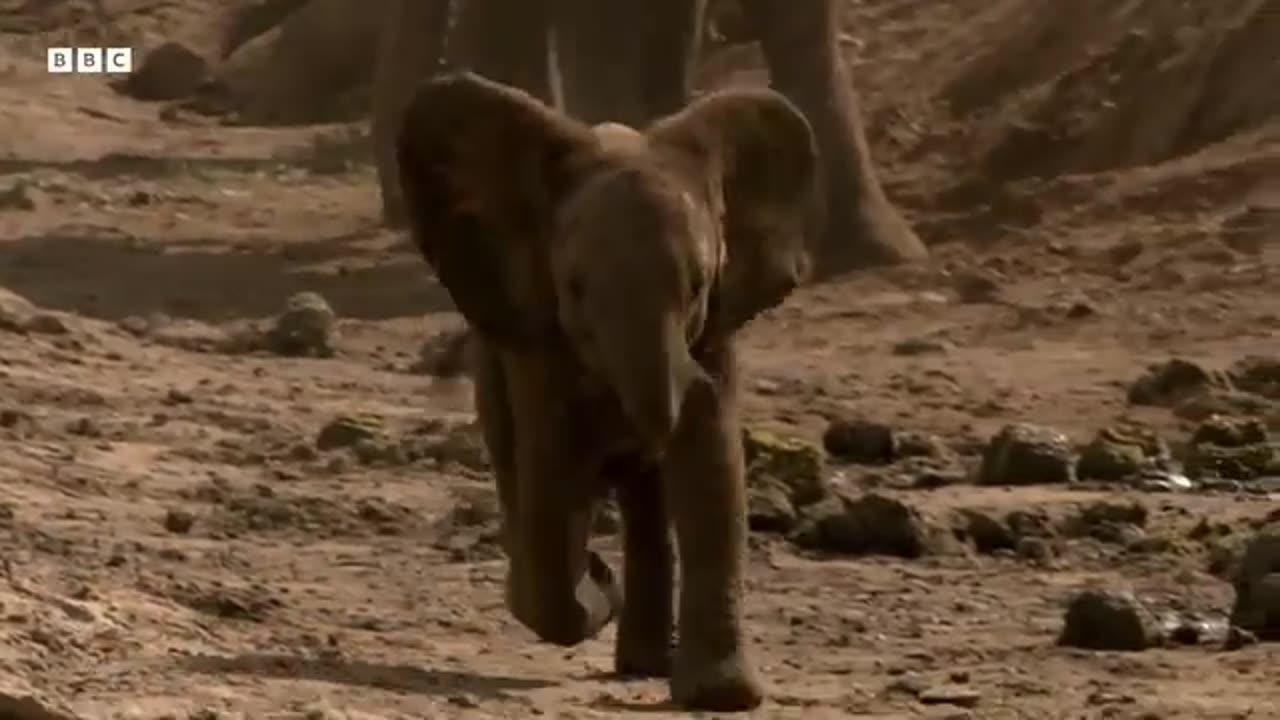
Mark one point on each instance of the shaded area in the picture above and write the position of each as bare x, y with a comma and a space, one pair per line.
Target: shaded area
114, 165
396, 678
110, 275
614, 705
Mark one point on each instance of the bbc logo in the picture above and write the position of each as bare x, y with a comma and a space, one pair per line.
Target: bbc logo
90, 60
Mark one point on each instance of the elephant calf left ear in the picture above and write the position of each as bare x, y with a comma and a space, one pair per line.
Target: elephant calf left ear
758, 151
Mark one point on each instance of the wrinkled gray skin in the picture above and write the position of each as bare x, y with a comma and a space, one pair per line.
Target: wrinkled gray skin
631, 61
604, 272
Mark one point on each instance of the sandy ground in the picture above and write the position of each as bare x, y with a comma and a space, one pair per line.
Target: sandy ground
175, 544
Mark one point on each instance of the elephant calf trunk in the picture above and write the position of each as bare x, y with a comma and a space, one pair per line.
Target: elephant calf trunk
652, 384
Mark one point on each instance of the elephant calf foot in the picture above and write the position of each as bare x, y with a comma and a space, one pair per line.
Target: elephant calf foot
728, 684
568, 621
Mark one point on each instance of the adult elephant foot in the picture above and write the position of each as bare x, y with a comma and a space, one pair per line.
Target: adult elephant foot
864, 233
800, 43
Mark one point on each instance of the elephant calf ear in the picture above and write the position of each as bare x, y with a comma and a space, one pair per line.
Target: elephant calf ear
759, 158
483, 167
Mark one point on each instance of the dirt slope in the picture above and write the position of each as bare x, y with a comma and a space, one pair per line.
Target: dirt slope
1101, 185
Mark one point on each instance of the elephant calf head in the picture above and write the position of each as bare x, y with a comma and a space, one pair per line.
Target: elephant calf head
631, 246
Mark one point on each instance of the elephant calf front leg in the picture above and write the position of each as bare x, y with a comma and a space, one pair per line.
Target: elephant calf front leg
644, 630
704, 479
556, 587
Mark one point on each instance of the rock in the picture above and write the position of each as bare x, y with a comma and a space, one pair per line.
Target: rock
870, 524
1107, 620
1189, 629
347, 431
1224, 554
1117, 453
1238, 638
930, 475
987, 532
1167, 383
444, 354
1080, 310
1034, 549
458, 444
795, 464
1234, 449
1105, 511
17, 702
18, 421
1249, 230
975, 286
991, 533
912, 444
1229, 432
1257, 585
1025, 454
1154, 481
1125, 252
1200, 406
305, 329
179, 522
1257, 374
951, 694
380, 451
769, 508
1250, 462
473, 528
17, 197
860, 441
1030, 523
1109, 522
921, 346
475, 509
167, 72
15, 311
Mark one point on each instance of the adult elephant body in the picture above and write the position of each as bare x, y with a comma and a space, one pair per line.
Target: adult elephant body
630, 61
604, 271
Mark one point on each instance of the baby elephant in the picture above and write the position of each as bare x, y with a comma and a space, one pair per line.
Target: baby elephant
605, 271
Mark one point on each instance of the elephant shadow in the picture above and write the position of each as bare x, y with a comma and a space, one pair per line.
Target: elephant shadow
395, 678
628, 707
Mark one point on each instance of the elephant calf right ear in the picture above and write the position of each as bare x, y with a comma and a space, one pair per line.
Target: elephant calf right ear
483, 167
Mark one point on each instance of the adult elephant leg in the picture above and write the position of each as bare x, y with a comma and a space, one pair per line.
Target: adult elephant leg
627, 61
644, 628
556, 587
409, 46
505, 41
800, 43
705, 482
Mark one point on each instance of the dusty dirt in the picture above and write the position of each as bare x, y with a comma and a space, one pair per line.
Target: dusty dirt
1101, 186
